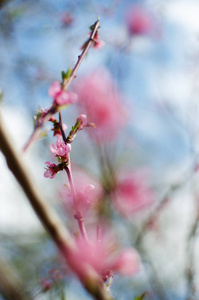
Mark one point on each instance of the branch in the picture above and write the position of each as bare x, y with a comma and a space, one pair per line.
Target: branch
11, 286
65, 83
46, 214
190, 256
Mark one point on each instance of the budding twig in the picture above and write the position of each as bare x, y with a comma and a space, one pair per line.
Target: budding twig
65, 83
58, 232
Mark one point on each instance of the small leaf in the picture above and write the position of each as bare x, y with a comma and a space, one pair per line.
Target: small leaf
63, 74
140, 297
68, 73
1, 95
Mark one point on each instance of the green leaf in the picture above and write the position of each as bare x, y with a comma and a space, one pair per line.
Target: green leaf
63, 74
68, 73
140, 297
1, 95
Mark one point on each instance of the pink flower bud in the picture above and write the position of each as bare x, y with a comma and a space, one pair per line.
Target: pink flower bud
83, 121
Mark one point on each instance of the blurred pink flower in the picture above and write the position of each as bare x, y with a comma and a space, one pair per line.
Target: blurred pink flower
132, 193
98, 44
60, 148
101, 256
127, 263
51, 170
67, 19
88, 193
139, 21
102, 104
60, 96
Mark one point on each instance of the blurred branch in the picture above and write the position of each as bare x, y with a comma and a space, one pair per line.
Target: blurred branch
2, 2
156, 212
11, 286
190, 273
147, 225
47, 215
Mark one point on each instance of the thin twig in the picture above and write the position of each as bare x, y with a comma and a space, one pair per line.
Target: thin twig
50, 220
190, 256
65, 83
78, 215
156, 212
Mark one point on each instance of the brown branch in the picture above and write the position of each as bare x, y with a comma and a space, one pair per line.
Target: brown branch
11, 285
46, 214
66, 82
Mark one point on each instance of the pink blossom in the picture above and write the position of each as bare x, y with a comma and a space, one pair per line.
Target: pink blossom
88, 193
83, 121
101, 257
60, 148
65, 98
127, 263
102, 104
51, 170
139, 21
67, 19
132, 194
60, 96
54, 89
98, 44
46, 284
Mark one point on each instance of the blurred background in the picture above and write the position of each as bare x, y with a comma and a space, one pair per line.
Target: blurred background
151, 56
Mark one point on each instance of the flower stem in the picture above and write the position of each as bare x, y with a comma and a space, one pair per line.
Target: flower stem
65, 83
78, 215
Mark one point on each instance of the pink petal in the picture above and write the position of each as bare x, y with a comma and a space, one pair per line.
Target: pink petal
53, 148
54, 89
68, 148
128, 262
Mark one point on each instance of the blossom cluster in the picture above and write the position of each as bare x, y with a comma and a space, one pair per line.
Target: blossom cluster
96, 251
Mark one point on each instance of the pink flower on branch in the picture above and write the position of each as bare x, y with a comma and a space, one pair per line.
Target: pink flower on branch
88, 194
98, 44
61, 97
60, 148
102, 257
51, 170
